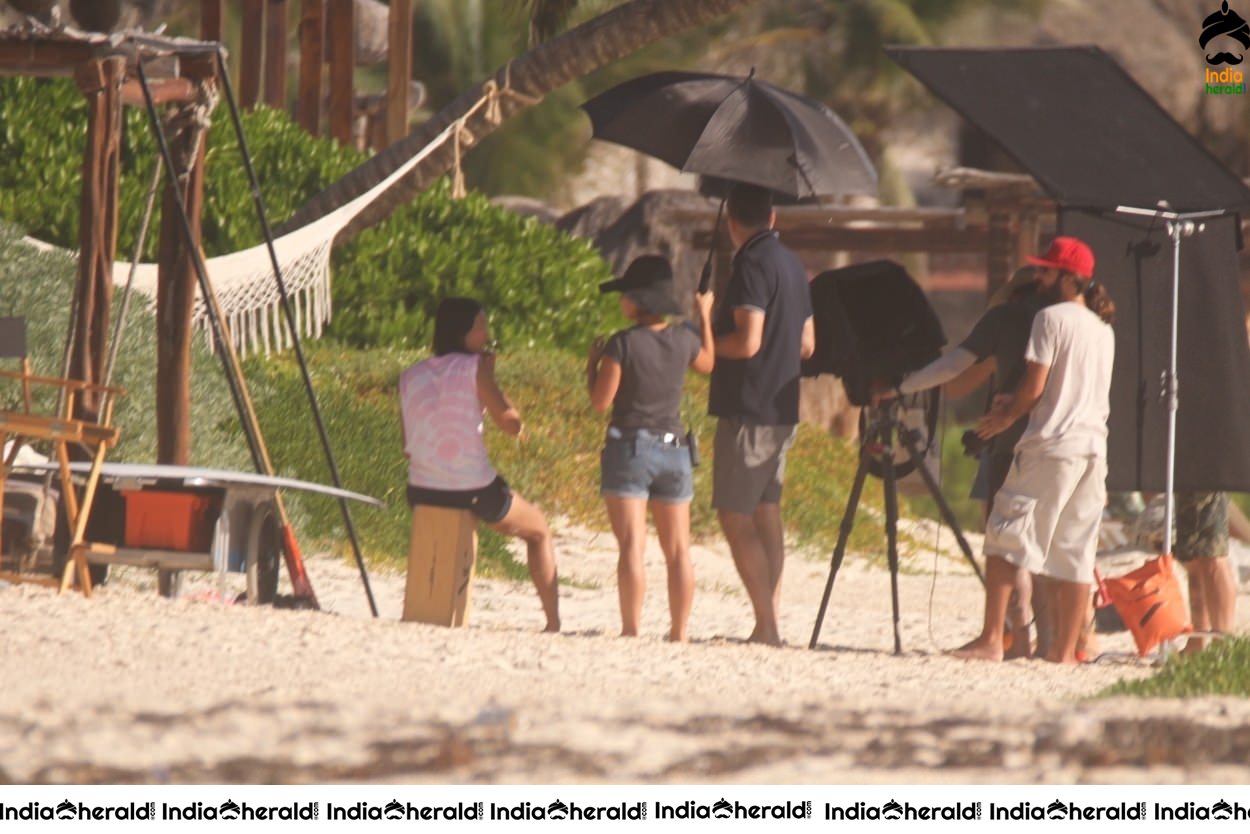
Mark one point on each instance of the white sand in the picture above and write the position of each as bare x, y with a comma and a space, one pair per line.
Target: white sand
128, 687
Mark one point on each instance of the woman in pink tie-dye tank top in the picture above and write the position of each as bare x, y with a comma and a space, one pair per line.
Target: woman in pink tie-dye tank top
442, 400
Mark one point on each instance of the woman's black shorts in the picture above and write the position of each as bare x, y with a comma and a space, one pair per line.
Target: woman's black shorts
489, 503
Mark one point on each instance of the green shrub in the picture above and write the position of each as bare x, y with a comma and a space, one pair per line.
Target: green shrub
539, 285
388, 281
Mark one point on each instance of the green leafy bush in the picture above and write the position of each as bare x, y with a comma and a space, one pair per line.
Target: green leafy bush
539, 283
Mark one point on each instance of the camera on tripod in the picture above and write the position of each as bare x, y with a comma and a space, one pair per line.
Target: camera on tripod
874, 324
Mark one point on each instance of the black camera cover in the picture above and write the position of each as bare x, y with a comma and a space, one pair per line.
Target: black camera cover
873, 323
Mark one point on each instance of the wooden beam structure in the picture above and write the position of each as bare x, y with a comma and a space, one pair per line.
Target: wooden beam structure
252, 49
850, 229
168, 91
312, 29
877, 240
212, 20
275, 54
54, 57
399, 70
175, 297
105, 69
100, 81
340, 28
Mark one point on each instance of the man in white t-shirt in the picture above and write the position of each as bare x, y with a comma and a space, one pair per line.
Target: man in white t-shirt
1046, 515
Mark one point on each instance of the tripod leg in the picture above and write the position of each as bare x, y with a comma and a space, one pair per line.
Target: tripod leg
944, 508
890, 488
839, 551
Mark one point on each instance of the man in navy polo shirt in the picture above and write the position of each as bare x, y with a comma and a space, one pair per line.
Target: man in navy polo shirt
763, 328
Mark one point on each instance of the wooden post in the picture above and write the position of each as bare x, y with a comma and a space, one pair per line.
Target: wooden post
212, 19
275, 54
399, 70
375, 131
175, 298
1030, 233
1000, 253
442, 552
341, 28
252, 50
311, 57
100, 81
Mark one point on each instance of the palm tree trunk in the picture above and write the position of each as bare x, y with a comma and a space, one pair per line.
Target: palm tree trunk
533, 75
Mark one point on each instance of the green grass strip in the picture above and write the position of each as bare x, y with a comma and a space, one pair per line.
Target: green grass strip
1223, 668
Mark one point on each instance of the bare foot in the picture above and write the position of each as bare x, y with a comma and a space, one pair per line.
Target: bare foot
676, 638
1017, 643
1070, 660
553, 627
979, 649
1020, 649
766, 638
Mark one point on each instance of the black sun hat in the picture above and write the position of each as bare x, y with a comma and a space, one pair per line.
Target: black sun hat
648, 282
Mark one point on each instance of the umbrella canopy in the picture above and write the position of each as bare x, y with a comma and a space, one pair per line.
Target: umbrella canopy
738, 129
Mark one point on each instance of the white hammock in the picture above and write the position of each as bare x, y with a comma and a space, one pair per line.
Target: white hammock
244, 283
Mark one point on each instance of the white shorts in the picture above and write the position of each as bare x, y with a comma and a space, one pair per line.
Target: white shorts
1046, 516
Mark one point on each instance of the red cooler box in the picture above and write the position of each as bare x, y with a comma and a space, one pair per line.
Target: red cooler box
171, 520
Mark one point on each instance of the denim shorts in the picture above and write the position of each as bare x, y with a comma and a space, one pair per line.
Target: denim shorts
644, 465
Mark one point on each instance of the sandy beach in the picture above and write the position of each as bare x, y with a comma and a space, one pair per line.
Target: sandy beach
130, 687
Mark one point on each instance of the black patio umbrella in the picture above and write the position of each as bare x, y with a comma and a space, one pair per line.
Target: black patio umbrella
734, 128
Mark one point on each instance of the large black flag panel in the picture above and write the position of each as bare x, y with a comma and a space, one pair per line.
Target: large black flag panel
1080, 124
1134, 257
1096, 142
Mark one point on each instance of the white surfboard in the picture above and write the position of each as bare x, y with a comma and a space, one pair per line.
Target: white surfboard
200, 476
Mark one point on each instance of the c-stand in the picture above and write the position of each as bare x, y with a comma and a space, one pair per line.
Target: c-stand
882, 426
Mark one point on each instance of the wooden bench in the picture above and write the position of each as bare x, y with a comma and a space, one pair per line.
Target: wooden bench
442, 556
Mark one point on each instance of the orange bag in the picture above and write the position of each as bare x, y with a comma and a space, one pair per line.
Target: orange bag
1149, 601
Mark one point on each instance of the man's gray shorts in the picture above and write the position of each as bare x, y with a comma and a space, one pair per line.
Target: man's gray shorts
748, 464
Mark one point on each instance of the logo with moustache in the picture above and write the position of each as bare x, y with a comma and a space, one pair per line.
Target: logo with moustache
1225, 23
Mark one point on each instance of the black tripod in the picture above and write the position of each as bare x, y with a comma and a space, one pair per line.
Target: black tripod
883, 425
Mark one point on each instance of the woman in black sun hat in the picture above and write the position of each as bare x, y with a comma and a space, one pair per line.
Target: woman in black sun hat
646, 459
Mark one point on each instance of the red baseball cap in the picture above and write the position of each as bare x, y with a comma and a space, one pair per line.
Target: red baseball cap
1068, 253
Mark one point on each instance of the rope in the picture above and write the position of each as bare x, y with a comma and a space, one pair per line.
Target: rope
492, 101
198, 118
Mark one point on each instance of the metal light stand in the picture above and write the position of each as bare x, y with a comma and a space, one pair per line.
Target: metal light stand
884, 425
1179, 225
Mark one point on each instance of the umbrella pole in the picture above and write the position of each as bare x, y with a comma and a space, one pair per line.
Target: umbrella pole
705, 279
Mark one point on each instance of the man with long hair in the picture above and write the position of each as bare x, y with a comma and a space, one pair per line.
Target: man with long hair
1046, 515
